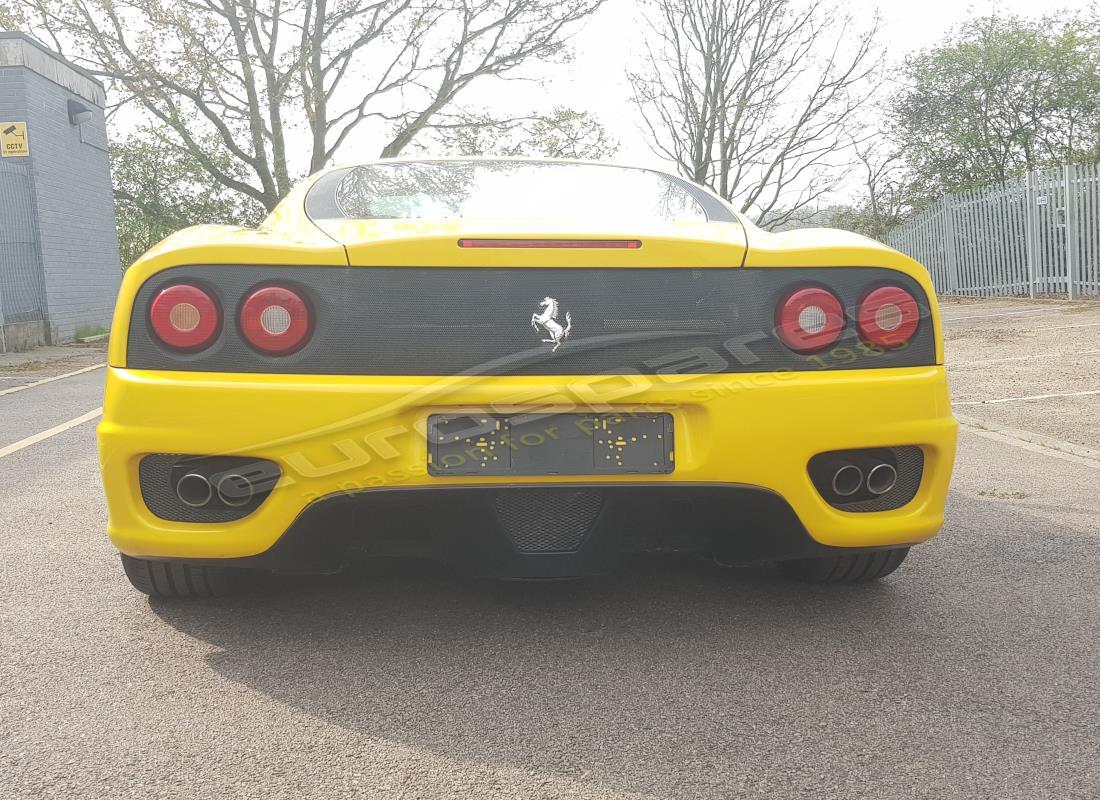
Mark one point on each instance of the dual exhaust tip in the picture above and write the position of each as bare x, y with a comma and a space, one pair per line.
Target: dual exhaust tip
867, 479
878, 480
231, 489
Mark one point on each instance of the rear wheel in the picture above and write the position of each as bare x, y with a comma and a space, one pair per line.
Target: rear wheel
844, 568
177, 578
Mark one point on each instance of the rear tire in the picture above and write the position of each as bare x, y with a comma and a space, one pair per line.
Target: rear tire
853, 568
177, 578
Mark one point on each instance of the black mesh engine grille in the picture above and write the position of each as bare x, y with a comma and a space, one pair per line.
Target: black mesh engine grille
485, 321
548, 520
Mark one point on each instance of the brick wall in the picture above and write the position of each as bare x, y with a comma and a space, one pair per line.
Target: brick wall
72, 198
78, 240
22, 291
11, 91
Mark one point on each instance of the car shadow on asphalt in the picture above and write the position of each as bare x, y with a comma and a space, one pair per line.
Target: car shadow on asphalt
663, 661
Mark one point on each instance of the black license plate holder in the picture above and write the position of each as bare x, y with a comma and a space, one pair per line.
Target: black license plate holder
551, 444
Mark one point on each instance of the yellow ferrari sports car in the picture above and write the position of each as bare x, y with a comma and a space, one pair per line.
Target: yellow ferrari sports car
527, 369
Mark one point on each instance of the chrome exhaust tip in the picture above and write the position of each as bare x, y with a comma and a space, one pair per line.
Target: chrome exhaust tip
881, 479
847, 480
194, 490
235, 490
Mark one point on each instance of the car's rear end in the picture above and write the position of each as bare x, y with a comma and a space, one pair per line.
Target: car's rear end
403, 373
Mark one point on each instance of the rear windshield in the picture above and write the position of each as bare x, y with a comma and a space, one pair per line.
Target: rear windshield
435, 190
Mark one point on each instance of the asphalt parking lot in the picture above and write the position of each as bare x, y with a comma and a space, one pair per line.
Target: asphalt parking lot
973, 672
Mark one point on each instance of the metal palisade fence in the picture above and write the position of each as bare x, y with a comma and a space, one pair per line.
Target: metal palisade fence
1033, 235
22, 292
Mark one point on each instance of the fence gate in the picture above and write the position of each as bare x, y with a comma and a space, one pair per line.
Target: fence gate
1038, 234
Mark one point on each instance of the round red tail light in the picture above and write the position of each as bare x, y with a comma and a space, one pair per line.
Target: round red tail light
809, 320
888, 316
184, 317
275, 320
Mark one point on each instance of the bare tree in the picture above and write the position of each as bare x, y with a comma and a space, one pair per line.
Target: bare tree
249, 74
887, 185
757, 99
563, 133
887, 194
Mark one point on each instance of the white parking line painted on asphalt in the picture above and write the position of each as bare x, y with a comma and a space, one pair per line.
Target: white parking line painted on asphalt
51, 380
1028, 397
1034, 442
1034, 357
1007, 314
1067, 327
38, 437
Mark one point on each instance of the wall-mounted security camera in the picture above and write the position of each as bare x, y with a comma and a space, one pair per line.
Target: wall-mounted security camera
79, 113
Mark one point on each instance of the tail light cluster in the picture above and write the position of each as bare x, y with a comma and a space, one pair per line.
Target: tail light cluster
811, 319
185, 317
274, 320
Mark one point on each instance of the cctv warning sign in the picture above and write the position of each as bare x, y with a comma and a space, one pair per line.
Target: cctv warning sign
13, 139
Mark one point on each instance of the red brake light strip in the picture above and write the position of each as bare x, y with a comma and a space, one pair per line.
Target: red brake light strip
594, 244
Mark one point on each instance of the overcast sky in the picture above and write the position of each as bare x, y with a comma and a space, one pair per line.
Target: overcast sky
596, 80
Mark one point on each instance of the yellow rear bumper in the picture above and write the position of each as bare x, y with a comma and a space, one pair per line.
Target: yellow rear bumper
337, 433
